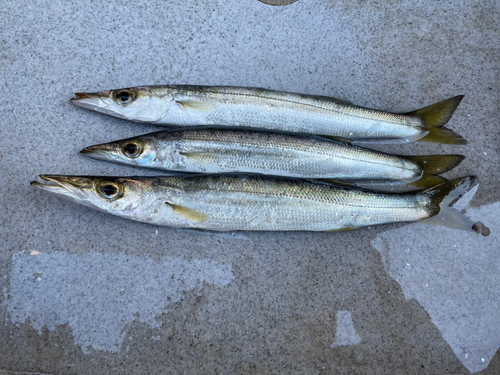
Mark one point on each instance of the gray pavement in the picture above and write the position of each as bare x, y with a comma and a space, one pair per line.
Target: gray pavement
82, 292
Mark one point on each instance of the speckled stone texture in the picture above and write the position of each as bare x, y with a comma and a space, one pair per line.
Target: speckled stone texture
276, 309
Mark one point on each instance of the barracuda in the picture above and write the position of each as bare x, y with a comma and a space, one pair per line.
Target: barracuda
289, 155
228, 203
273, 110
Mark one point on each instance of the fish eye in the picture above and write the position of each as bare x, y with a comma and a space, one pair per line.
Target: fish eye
109, 190
132, 149
124, 97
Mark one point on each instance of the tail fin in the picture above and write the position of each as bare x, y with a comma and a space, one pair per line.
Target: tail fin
444, 197
433, 165
434, 117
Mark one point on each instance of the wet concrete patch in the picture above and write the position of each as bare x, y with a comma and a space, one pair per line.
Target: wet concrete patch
346, 333
97, 295
454, 276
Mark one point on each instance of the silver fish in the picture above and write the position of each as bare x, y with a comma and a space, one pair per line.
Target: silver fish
228, 203
288, 155
272, 110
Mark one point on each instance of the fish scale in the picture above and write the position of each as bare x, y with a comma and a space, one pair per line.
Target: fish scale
291, 115
292, 205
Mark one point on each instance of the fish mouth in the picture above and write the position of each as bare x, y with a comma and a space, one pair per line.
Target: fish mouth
90, 100
81, 95
67, 186
101, 152
57, 182
73, 188
96, 101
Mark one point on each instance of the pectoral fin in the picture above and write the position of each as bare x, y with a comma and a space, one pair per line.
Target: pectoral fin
346, 229
333, 99
197, 105
342, 101
188, 213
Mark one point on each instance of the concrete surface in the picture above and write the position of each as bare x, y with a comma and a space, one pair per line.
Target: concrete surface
83, 292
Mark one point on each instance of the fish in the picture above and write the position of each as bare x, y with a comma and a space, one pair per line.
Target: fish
177, 105
250, 203
220, 151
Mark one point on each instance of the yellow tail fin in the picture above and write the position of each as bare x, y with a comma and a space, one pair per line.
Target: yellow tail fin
433, 165
443, 197
435, 116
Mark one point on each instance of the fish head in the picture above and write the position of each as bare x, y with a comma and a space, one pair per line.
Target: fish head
139, 151
132, 197
140, 104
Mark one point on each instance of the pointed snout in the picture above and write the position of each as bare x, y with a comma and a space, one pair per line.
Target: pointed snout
107, 151
66, 182
72, 187
78, 189
88, 100
97, 101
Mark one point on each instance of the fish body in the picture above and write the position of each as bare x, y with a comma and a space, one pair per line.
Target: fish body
229, 203
273, 110
289, 155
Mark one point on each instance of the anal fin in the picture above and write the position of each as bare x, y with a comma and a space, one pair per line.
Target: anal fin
336, 182
338, 139
331, 98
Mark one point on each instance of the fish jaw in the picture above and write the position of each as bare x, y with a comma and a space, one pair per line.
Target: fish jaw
75, 189
96, 101
134, 198
107, 151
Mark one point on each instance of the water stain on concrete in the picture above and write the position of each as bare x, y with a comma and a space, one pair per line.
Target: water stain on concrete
98, 294
454, 276
346, 333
